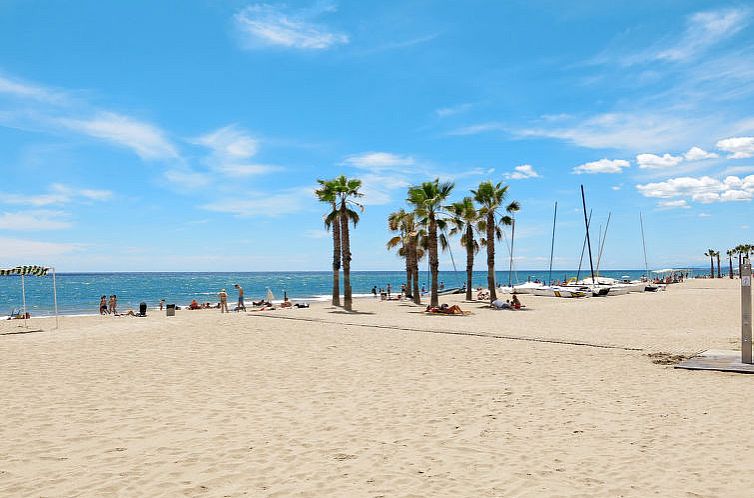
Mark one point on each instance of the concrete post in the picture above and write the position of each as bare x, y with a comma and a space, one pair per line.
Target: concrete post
746, 312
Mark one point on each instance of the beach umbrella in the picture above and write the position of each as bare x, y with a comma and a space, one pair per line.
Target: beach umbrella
36, 271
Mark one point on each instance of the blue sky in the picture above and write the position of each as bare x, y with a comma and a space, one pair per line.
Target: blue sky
188, 135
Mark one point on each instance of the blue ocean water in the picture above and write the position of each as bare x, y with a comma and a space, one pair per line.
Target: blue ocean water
79, 293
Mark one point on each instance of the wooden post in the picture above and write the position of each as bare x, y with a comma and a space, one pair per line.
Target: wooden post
746, 312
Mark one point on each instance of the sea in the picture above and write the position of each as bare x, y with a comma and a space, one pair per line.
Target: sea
79, 293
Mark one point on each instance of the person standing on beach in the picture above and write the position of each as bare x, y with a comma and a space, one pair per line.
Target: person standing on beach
223, 301
111, 308
103, 305
241, 305
389, 290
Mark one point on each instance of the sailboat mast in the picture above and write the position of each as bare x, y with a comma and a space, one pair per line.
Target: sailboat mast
583, 249
602, 244
644, 245
510, 262
552, 244
586, 224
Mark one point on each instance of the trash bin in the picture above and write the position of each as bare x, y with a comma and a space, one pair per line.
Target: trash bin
170, 310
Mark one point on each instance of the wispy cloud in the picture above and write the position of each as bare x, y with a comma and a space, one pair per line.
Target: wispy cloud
265, 204
145, 139
57, 194
34, 220
674, 204
26, 90
231, 149
702, 31
26, 250
476, 129
445, 112
379, 160
262, 25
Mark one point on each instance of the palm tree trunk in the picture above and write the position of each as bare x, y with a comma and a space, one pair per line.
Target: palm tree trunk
730, 266
434, 263
718, 266
711, 267
336, 262
409, 271
491, 256
415, 271
469, 260
346, 251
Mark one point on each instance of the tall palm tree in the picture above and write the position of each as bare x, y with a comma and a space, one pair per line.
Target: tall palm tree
730, 253
711, 254
326, 194
346, 190
465, 220
491, 198
428, 200
409, 239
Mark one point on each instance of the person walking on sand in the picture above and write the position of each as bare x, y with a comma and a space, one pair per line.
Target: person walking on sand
103, 305
111, 305
223, 301
241, 305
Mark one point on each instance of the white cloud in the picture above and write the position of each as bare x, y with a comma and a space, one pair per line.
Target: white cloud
30, 91
58, 194
737, 147
231, 149
187, 179
703, 189
379, 160
674, 204
522, 172
316, 234
703, 30
616, 187
266, 205
476, 129
445, 112
33, 220
705, 215
267, 25
698, 154
24, 250
602, 166
146, 140
652, 161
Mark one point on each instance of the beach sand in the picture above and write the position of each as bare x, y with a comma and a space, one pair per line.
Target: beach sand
558, 400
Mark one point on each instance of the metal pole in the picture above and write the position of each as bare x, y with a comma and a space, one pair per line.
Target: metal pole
55, 297
588, 242
552, 244
746, 312
510, 263
23, 298
644, 245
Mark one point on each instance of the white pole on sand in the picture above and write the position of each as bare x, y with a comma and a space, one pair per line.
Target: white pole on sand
23, 299
55, 297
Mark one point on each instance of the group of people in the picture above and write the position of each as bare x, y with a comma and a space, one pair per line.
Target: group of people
509, 304
108, 307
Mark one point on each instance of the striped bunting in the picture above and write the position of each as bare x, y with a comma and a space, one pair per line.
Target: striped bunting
38, 271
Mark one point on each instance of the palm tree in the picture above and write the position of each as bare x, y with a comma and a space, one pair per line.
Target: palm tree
428, 199
465, 218
730, 253
491, 198
326, 193
409, 238
711, 254
717, 255
346, 190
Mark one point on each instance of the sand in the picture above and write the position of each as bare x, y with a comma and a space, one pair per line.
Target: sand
557, 400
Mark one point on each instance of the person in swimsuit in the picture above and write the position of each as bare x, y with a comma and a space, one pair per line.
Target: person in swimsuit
103, 305
223, 301
241, 305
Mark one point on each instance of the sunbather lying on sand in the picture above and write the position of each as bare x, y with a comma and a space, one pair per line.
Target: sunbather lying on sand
444, 309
